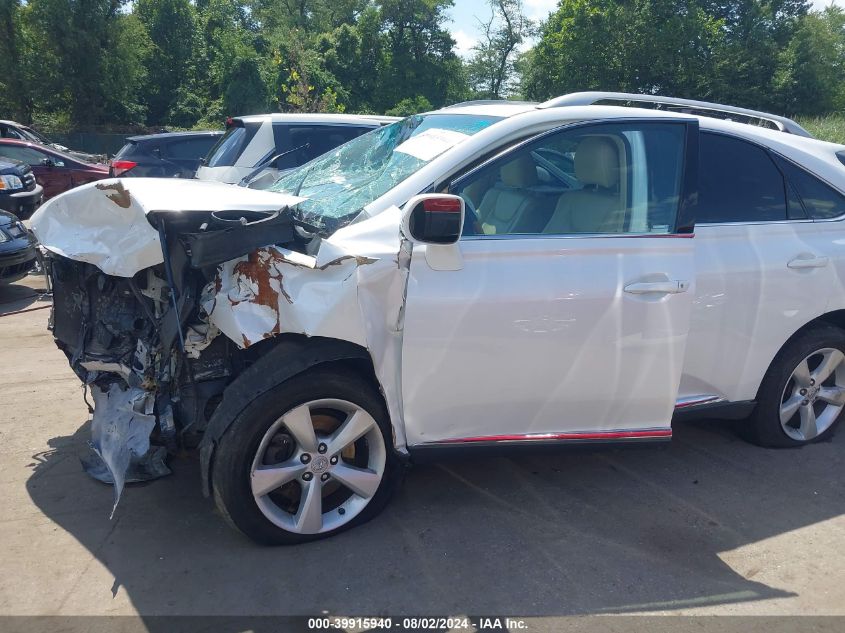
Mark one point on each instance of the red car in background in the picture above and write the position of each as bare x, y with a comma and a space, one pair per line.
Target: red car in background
54, 170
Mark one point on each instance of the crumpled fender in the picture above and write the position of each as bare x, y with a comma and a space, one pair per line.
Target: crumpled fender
349, 300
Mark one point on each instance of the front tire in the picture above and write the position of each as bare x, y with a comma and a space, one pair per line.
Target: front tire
307, 459
802, 396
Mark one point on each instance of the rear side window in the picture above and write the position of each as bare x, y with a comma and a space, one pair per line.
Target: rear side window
127, 150
820, 199
9, 132
311, 141
738, 182
227, 150
189, 149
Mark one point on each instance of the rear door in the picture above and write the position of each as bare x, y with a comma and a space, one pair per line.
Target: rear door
568, 317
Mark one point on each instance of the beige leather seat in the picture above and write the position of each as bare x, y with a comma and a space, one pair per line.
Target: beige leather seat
598, 207
510, 203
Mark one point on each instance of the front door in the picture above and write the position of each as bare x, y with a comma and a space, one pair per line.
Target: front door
568, 317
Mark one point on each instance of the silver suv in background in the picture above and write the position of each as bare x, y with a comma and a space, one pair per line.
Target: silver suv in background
280, 141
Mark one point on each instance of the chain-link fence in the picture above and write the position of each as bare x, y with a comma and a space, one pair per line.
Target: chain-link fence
91, 142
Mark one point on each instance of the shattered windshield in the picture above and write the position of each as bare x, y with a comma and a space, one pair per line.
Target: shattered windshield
340, 183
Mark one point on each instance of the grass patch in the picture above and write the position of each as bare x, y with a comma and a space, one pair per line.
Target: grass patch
827, 128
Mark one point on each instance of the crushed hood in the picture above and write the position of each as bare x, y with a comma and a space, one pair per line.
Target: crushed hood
105, 223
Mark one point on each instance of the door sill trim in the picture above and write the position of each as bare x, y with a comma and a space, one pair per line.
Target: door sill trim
503, 445
658, 433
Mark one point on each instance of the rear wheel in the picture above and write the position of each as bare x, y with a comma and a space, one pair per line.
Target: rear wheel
802, 396
307, 459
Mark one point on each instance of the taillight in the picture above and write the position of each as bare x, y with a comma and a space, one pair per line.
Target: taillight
119, 167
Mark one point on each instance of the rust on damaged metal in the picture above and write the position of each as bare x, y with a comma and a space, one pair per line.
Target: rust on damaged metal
120, 196
260, 268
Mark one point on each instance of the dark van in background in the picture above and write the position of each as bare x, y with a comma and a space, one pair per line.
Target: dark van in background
165, 155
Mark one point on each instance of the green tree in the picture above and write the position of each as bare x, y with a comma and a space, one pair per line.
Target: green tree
649, 46
91, 64
754, 32
227, 35
419, 53
491, 68
17, 87
812, 66
171, 27
409, 106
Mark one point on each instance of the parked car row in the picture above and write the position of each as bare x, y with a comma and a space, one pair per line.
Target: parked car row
252, 151
20, 194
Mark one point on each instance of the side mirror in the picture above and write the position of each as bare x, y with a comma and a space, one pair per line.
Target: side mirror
434, 218
435, 221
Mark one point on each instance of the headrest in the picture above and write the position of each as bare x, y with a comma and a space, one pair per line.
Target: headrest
519, 172
597, 162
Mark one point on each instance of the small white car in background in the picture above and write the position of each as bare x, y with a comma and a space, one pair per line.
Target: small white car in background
280, 142
488, 275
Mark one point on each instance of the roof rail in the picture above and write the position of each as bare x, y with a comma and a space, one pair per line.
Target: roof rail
702, 108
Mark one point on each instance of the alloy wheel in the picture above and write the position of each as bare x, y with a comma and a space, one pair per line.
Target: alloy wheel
318, 466
814, 395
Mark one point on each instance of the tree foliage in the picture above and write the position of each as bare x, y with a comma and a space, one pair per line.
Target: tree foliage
491, 67
186, 63
761, 54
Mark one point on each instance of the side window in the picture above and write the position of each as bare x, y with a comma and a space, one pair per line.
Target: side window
315, 140
231, 145
596, 179
10, 132
189, 149
23, 154
738, 182
820, 199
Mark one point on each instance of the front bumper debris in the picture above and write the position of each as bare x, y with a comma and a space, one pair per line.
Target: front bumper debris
120, 438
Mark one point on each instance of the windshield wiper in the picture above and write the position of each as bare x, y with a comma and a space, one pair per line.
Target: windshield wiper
302, 182
263, 165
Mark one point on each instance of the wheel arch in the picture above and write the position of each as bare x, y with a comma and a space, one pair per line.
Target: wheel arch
284, 357
835, 318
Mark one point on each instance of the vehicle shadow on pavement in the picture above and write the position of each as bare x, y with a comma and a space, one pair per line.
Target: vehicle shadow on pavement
17, 296
619, 530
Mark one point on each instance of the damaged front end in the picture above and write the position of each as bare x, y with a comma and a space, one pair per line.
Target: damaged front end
158, 334
142, 343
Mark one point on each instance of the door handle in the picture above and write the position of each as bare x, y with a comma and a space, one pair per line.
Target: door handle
808, 261
662, 287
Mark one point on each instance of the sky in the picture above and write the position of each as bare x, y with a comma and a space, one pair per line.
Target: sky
466, 30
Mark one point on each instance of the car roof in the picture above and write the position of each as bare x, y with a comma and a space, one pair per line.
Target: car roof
764, 135
499, 108
289, 117
43, 148
173, 135
14, 123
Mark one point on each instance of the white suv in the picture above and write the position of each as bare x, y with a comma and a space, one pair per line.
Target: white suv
280, 141
487, 275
